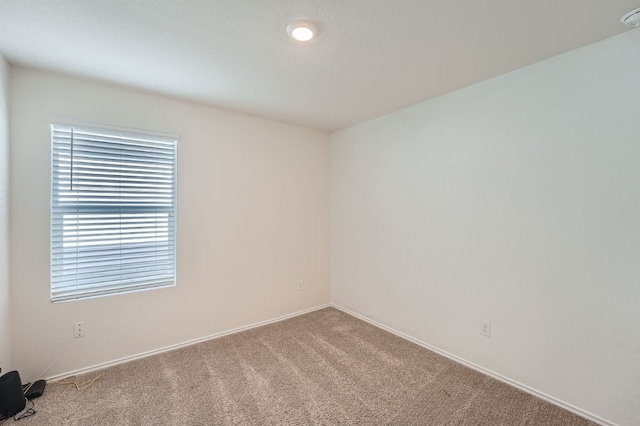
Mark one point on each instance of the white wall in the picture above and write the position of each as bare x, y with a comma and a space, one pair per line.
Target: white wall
5, 330
516, 201
253, 219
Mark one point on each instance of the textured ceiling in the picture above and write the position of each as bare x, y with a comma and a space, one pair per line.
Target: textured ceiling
372, 56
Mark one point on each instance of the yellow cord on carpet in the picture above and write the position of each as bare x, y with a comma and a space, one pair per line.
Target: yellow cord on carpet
73, 380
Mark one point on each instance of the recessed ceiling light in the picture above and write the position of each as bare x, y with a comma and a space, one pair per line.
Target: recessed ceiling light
631, 18
302, 31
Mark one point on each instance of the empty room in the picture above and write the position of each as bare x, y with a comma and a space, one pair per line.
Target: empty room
292, 212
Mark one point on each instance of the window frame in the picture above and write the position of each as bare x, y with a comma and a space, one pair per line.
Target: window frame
160, 221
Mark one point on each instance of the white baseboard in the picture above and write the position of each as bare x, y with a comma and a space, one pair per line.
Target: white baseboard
523, 387
183, 344
453, 357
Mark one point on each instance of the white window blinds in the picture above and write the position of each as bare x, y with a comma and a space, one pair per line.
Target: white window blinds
113, 211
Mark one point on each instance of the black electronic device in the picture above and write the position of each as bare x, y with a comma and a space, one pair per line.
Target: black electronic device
12, 399
34, 390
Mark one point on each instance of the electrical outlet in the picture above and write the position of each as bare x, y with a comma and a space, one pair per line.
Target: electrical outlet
300, 285
79, 330
485, 328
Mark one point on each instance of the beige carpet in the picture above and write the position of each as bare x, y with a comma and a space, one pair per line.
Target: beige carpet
322, 368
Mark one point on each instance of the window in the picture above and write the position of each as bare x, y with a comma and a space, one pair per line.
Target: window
113, 211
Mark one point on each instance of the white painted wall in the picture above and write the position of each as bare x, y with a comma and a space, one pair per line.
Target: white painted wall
5, 330
253, 219
516, 201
